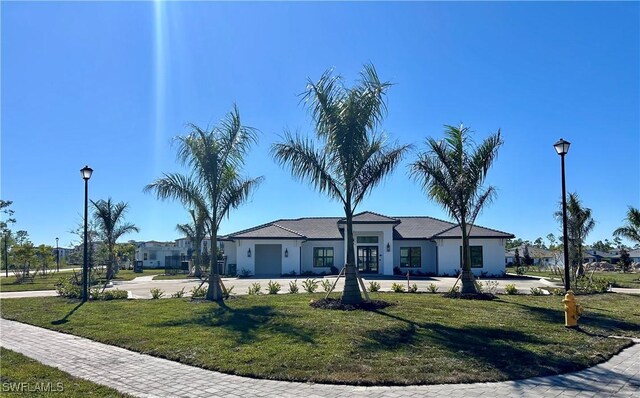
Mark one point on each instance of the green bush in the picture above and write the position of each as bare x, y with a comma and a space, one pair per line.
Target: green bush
584, 285
293, 287
310, 285
455, 289
198, 292
557, 292
432, 288
254, 289
511, 289
326, 285
115, 294
536, 291
413, 288
490, 287
66, 287
178, 294
274, 287
245, 273
397, 288
156, 293
374, 286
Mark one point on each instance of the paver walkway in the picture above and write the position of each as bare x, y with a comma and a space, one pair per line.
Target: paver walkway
146, 376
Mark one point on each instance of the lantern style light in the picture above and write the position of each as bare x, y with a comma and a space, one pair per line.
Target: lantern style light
286, 252
562, 147
86, 172
249, 253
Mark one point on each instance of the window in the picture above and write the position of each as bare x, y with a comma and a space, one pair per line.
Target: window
476, 257
153, 256
323, 256
410, 257
367, 239
145, 256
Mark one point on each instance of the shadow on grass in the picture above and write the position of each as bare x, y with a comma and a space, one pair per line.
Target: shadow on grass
65, 319
246, 324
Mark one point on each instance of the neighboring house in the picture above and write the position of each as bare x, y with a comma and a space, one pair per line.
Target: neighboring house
591, 255
153, 254
635, 255
381, 243
540, 256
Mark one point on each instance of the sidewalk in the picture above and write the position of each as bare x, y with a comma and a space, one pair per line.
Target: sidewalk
146, 376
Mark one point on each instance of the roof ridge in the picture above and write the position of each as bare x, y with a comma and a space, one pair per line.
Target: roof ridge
288, 230
472, 225
253, 228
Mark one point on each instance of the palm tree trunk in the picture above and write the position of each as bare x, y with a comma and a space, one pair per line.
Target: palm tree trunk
351, 293
214, 292
468, 281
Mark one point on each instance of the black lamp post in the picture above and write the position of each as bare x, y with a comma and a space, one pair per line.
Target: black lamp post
86, 172
57, 256
6, 255
562, 147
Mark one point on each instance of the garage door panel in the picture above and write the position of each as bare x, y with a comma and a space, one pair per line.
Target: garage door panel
268, 260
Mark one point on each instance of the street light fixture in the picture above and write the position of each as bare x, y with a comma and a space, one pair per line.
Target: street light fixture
57, 256
562, 147
86, 172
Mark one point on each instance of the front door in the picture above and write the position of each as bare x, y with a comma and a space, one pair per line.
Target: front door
368, 259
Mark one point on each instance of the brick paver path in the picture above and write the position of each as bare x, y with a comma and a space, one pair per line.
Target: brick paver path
146, 376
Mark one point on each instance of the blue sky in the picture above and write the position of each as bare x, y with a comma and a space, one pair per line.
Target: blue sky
108, 84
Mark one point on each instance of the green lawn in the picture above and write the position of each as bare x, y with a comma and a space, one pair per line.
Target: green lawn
127, 274
17, 369
619, 279
422, 339
171, 277
48, 282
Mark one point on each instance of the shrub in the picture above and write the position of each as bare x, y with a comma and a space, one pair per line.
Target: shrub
326, 285
456, 272
94, 293
245, 273
310, 285
479, 286
374, 286
536, 291
156, 293
455, 289
413, 288
594, 286
432, 288
483, 274
293, 287
67, 288
228, 292
397, 270
511, 289
290, 273
115, 294
397, 288
334, 270
178, 294
490, 287
254, 289
198, 292
274, 287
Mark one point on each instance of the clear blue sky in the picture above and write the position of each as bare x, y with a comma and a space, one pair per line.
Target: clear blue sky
109, 83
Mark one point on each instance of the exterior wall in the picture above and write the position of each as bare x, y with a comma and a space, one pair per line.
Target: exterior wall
307, 255
156, 252
428, 253
384, 232
289, 264
492, 256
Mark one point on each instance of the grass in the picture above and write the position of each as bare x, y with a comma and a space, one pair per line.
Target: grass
619, 279
17, 369
421, 339
172, 277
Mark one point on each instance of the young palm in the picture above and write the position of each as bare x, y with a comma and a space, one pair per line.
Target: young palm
214, 185
631, 230
110, 224
195, 232
349, 157
579, 225
452, 172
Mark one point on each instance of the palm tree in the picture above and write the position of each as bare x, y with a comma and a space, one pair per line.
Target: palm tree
214, 186
451, 172
351, 157
579, 225
631, 230
195, 232
109, 217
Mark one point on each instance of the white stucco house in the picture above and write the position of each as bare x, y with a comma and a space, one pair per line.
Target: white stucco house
414, 243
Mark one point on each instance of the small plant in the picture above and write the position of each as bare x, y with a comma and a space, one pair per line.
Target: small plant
273, 287
254, 289
293, 287
456, 272
374, 286
455, 289
334, 270
536, 291
490, 287
432, 288
94, 293
245, 273
178, 294
227, 293
557, 292
156, 293
511, 289
483, 274
198, 292
290, 273
397, 270
310, 285
480, 286
115, 294
66, 287
413, 288
397, 288
326, 285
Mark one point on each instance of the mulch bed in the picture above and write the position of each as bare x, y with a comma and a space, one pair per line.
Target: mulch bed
470, 296
335, 304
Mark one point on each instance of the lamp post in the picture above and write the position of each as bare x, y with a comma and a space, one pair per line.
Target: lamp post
86, 172
562, 147
57, 256
6, 255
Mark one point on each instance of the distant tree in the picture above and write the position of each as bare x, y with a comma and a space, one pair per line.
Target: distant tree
579, 225
111, 225
539, 243
631, 230
552, 241
516, 259
44, 254
625, 260
452, 172
515, 242
602, 246
195, 232
526, 257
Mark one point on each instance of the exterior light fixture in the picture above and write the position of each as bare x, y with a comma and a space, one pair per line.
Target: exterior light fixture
86, 172
562, 147
249, 253
388, 247
286, 252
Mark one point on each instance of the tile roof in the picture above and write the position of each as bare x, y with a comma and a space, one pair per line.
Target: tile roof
369, 217
412, 227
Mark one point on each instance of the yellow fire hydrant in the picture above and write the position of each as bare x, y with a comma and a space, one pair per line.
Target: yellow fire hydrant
572, 310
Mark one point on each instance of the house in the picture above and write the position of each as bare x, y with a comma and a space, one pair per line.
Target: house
591, 255
153, 254
381, 242
540, 256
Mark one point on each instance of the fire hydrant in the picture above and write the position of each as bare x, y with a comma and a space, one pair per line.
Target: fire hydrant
572, 310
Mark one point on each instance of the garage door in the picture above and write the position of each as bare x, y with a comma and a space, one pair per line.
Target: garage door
268, 260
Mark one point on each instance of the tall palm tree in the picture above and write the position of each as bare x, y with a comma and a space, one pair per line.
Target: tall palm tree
195, 232
110, 224
214, 185
579, 225
349, 157
631, 230
452, 172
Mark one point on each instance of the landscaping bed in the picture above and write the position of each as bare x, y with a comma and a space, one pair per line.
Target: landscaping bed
419, 339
